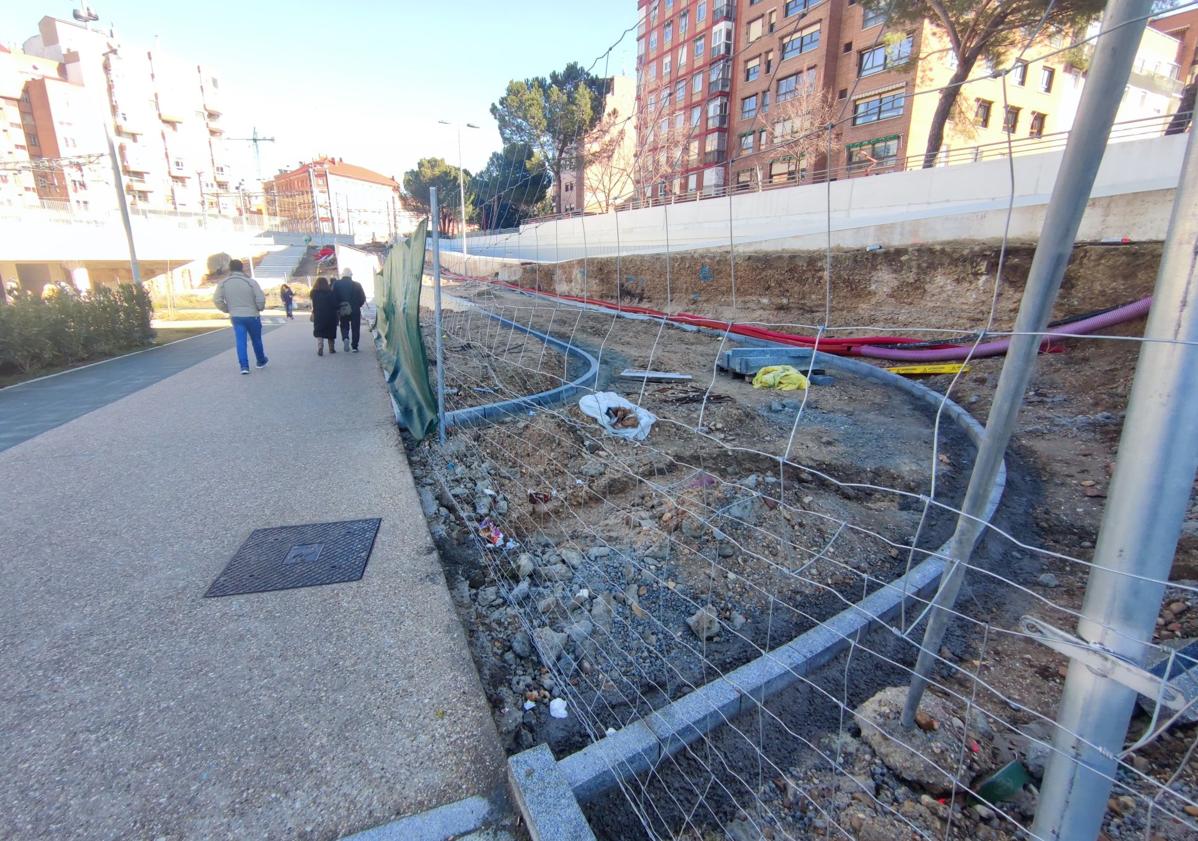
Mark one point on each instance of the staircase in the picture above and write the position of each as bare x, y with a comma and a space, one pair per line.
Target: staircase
278, 264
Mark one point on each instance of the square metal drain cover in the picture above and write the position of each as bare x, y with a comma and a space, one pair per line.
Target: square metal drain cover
298, 556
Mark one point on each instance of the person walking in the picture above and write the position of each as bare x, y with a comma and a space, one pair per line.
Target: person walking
241, 297
351, 297
288, 300
324, 315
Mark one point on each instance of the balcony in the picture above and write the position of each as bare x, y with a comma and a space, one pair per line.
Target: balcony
720, 83
725, 11
715, 156
717, 121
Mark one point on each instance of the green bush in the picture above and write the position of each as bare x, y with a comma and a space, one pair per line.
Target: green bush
68, 327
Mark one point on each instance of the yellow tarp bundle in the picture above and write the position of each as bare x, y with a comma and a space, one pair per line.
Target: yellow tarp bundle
781, 377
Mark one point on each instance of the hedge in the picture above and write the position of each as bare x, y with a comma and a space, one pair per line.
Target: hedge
67, 327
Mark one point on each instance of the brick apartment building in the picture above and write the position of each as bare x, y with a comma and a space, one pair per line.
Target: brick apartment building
70, 80
727, 90
331, 196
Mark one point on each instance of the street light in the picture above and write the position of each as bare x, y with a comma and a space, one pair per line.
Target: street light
461, 185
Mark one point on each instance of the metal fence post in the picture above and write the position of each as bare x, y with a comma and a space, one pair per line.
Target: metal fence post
1123, 26
439, 343
1146, 503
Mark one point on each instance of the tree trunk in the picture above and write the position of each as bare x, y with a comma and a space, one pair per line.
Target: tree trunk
944, 108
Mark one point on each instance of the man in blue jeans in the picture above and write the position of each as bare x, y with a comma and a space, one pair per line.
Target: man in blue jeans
241, 297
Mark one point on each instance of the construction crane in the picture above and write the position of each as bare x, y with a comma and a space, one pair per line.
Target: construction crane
257, 141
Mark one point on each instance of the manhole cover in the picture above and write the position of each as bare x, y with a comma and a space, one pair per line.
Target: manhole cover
298, 556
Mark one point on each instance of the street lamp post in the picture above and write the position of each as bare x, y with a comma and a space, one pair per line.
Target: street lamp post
461, 186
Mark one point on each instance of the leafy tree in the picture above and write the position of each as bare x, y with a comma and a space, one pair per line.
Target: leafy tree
511, 187
551, 116
990, 29
435, 172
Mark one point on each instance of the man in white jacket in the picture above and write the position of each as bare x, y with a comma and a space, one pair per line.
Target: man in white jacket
241, 297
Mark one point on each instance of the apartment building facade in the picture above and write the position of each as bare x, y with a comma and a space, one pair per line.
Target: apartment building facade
604, 175
164, 114
331, 196
792, 66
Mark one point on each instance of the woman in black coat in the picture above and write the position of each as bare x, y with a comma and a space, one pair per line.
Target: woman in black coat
324, 315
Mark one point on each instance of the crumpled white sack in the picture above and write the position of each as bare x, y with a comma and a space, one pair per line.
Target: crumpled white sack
596, 406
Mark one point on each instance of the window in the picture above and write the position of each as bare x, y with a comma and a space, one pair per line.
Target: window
1047, 75
981, 114
773, 20
692, 182
665, 97
1010, 120
701, 12
721, 39
680, 92
692, 152
653, 70
880, 107
765, 102
696, 115
744, 177
697, 83
684, 22
803, 41
720, 77
783, 170
785, 129
843, 93
748, 107
177, 164
761, 138
1036, 129
752, 69
682, 56
788, 86
883, 57
679, 119
870, 154
746, 142
793, 7
652, 102
653, 14
1019, 74
699, 44
717, 113
652, 41
756, 27
872, 17
667, 33
669, 5
848, 47
769, 62
666, 64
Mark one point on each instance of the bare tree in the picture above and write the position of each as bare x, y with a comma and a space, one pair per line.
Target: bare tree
798, 128
662, 156
609, 160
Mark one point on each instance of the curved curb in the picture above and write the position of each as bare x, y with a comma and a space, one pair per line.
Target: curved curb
638, 746
519, 405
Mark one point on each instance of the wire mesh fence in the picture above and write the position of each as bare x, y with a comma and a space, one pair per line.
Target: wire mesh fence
711, 575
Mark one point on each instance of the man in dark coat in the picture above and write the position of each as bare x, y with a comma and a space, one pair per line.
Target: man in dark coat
350, 292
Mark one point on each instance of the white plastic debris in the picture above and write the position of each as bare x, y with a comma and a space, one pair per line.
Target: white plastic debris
528, 705
606, 406
611, 731
557, 708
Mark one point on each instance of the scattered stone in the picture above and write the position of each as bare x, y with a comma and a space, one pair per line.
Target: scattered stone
556, 572
601, 613
482, 505
550, 643
727, 550
582, 597
597, 552
521, 646
593, 469
524, 565
580, 631
488, 596
925, 721
984, 813
546, 604
704, 622
903, 750
520, 591
428, 502
572, 557
1048, 580
737, 621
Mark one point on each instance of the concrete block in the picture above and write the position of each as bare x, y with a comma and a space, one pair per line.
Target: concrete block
692, 716
599, 766
544, 798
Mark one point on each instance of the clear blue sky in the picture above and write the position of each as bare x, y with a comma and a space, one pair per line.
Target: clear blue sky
365, 80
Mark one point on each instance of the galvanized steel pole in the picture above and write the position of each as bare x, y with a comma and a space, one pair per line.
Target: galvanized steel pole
1123, 25
434, 218
123, 205
1146, 503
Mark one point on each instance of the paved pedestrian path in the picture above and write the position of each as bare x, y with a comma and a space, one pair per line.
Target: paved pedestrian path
131, 707
31, 408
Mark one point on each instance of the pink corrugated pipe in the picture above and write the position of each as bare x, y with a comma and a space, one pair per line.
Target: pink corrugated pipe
1119, 315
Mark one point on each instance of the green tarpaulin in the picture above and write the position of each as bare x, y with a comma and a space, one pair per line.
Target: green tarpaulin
397, 330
